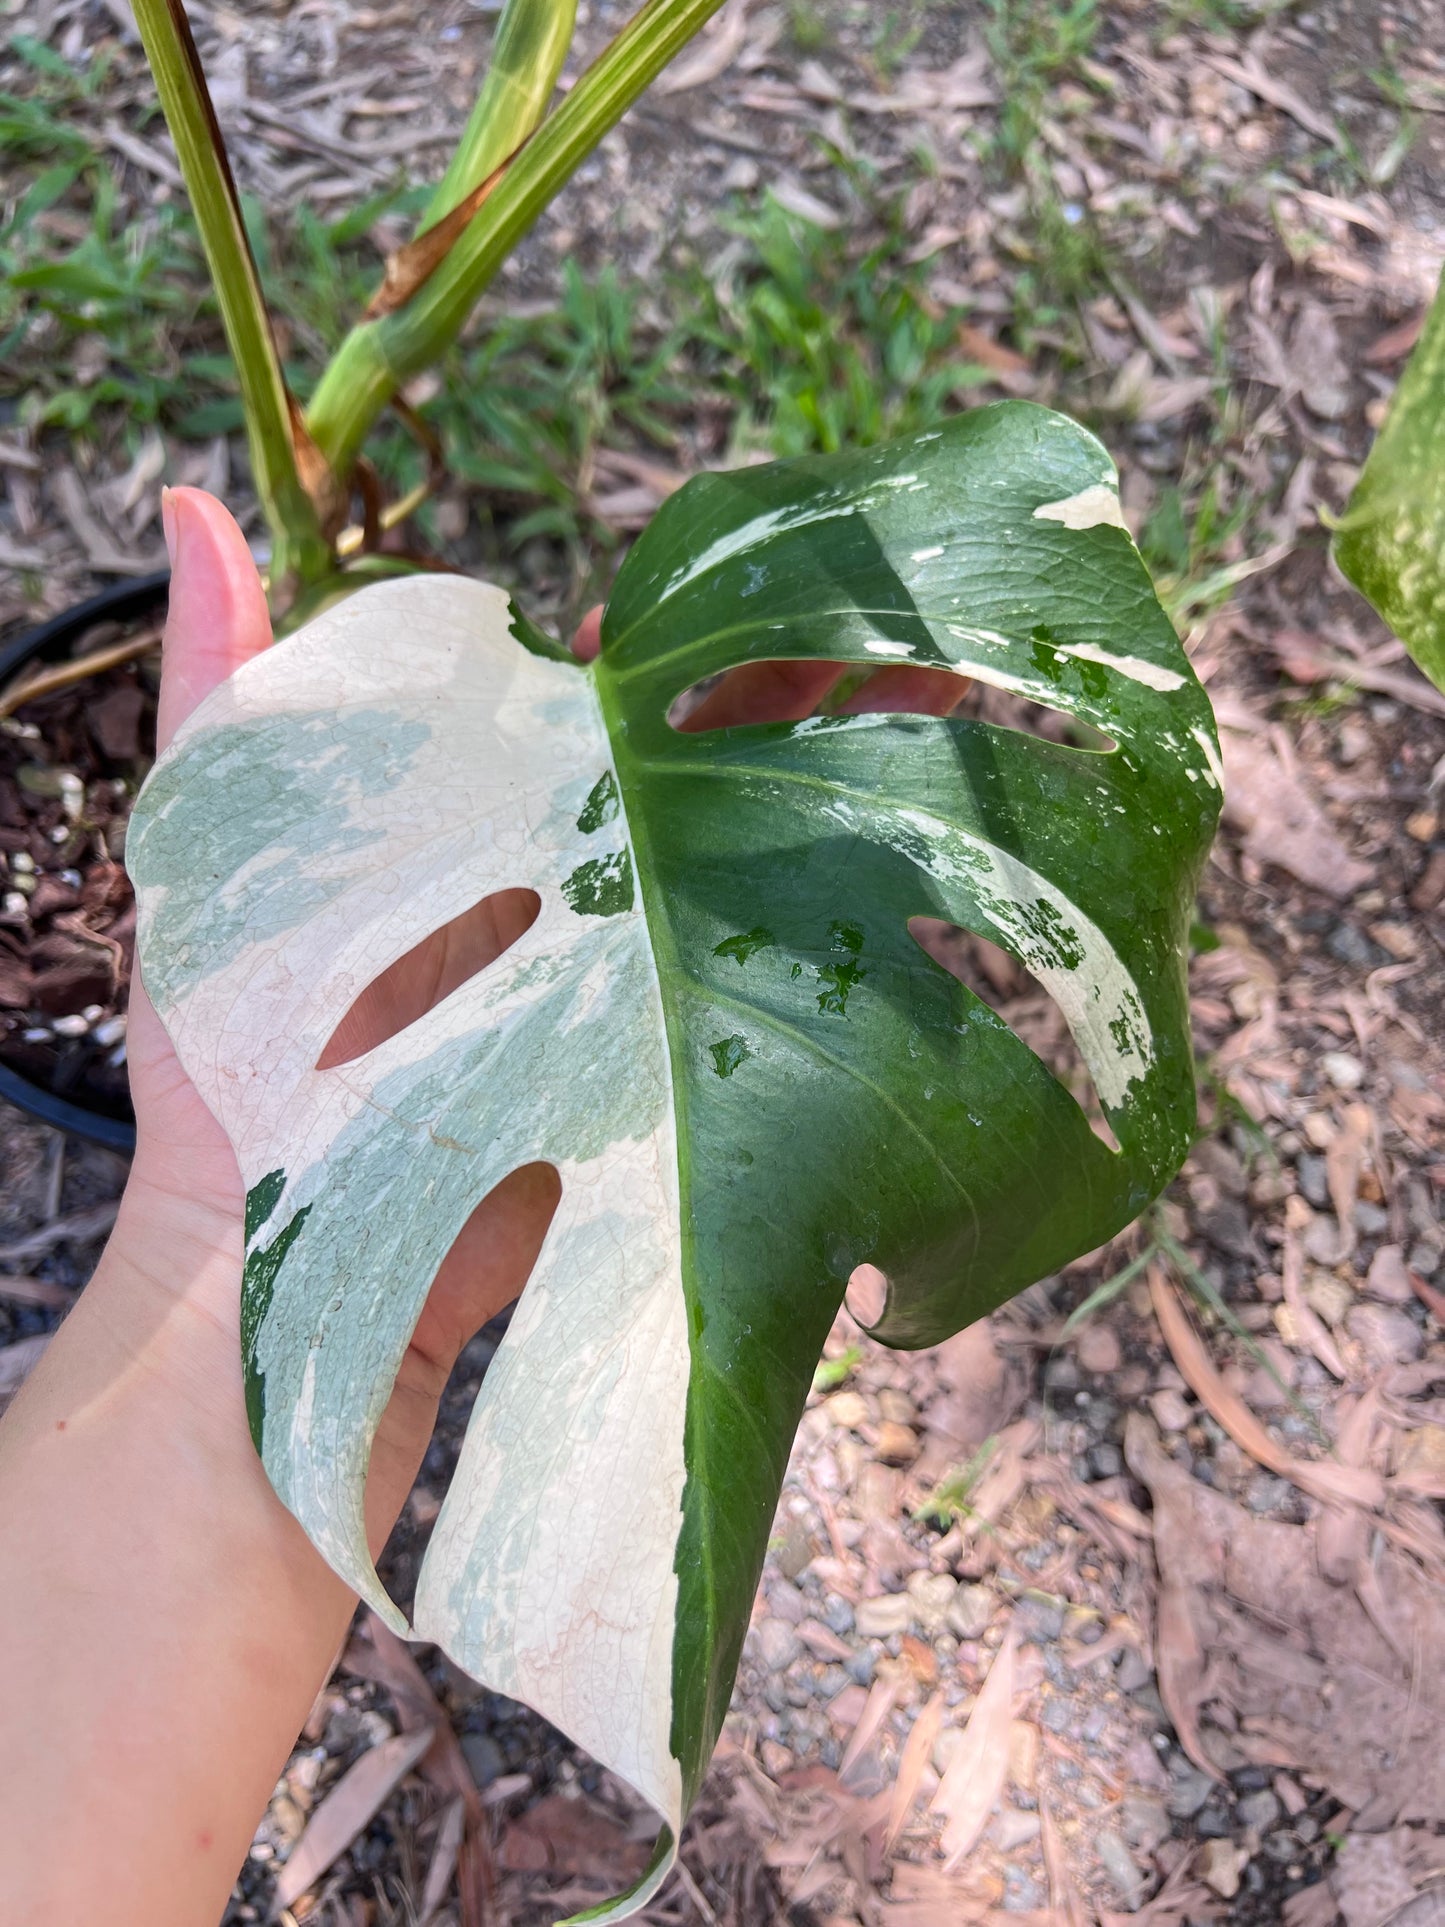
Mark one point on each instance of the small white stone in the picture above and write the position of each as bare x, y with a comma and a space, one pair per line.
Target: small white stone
878, 1618
1346, 1073
110, 1032
73, 1025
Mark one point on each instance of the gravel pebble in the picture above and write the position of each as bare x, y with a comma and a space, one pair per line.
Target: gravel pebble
1039, 1620
1213, 1820
484, 1758
837, 1614
1118, 1863
1061, 1374
1389, 1336
1258, 1810
1388, 1278
1098, 1349
1144, 1820
1171, 1410
1321, 1241
1346, 1073
1022, 1894
971, 1611
931, 1594
879, 1618
1013, 1828
861, 1667
1313, 1179
1190, 1788
777, 1644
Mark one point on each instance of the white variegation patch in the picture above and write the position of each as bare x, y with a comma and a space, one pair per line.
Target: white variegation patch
1064, 948
482, 758
1086, 510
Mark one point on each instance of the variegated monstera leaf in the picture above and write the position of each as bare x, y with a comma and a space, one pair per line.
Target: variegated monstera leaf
719, 1029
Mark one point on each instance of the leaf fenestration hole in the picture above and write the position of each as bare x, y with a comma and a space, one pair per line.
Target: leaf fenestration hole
791, 689
429, 972
468, 1308
1016, 995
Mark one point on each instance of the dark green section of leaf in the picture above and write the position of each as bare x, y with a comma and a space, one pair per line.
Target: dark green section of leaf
727, 1053
886, 1113
258, 1284
601, 887
1391, 539
261, 1201
742, 947
601, 805
837, 980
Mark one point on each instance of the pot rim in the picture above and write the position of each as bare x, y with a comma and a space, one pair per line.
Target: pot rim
118, 603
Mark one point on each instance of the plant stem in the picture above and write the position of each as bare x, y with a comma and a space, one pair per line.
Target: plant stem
531, 44
378, 356
300, 550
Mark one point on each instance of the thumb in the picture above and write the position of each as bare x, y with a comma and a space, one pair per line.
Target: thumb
218, 617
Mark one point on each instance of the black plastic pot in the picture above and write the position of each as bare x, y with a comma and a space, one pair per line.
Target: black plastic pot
53, 641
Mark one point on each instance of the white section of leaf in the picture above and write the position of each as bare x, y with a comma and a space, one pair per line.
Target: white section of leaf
556, 1052
1134, 667
749, 535
877, 648
926, 555
1100, 1000
1210, 754
502, 1584
1086, 510
1065, 949
775, 522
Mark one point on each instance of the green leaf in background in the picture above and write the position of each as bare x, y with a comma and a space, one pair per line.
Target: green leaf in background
1390, 541
719, 1029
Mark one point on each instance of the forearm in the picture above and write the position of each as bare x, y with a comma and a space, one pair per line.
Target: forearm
165, 1623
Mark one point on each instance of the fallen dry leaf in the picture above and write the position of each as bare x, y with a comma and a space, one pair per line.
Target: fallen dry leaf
1306, 1678
35, 1291
352, 1803
977, 1772
1333, 1483
565, 1835
917, 1752
876, 1708
444, 1859
1281, 822
378, 1654
93, 1222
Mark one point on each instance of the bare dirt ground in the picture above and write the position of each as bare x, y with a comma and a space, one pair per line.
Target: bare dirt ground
1129, 1601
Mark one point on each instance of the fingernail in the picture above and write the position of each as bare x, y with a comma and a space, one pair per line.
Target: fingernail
171, 526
